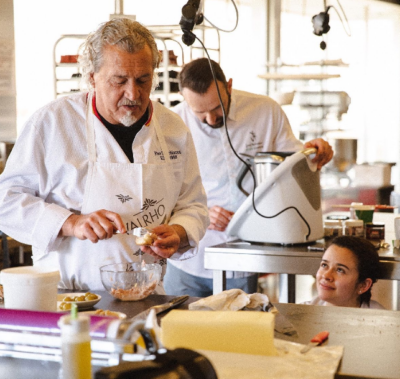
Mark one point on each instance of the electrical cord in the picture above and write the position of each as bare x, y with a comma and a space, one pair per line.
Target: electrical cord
237, 155
236, 24
348, 32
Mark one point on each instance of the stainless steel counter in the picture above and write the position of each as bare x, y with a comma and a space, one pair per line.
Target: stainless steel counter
289, 260
371, 337
267, 258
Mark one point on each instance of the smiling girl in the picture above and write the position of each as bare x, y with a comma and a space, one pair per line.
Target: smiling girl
348, 269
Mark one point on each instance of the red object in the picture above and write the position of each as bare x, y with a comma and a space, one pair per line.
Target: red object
320, 337
385, 208
315, 341
69, 58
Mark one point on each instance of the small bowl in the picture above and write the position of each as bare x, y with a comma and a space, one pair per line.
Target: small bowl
130, 281
82, 304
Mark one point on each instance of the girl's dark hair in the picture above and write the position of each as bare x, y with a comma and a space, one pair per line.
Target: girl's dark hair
197, 76
367, 260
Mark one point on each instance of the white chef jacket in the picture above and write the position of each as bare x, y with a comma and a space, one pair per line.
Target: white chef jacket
255, 123
44, 179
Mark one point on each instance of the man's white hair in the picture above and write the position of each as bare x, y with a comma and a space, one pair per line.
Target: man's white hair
128, 35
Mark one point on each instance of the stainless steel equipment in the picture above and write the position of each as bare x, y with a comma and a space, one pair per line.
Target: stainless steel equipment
345, 154
322, 103
262, 165
285, 208
336, 172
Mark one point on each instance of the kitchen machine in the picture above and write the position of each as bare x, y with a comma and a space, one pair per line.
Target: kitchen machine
285, 207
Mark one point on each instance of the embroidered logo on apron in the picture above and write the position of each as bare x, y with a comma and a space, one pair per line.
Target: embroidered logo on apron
151, 211
124, 198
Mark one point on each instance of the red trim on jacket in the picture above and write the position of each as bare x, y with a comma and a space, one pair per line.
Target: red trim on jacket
96, 113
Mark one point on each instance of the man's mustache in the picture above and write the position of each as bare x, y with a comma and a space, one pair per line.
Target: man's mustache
129, 102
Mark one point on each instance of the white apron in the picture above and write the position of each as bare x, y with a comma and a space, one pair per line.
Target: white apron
136, 192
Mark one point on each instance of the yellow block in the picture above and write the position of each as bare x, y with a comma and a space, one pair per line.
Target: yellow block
237, 332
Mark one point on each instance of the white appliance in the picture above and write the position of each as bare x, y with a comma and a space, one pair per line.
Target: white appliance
289, 200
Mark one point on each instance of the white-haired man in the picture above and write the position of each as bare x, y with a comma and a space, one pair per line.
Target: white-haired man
91, 164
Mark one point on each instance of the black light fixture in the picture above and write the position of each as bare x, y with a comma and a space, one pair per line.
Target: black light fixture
321, 25
191, 16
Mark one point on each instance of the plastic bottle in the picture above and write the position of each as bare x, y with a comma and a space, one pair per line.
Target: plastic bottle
75, 346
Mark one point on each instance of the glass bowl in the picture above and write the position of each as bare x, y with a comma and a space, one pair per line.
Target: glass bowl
130, 281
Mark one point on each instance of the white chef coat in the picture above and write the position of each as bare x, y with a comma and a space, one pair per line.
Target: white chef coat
255, 123
45, 177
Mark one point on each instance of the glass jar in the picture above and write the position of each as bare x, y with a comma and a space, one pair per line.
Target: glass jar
354, 228
332, 228
375, 231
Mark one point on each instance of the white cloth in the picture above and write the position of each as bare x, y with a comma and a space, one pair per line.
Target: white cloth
372, 304
231, 300
45, 177
255, 123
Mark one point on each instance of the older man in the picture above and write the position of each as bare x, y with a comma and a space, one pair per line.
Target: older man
91, 164
255, 123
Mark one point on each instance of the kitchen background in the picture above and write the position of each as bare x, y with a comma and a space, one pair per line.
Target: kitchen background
271, 36
272, 51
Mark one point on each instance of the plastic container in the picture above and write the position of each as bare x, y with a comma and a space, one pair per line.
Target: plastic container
75, 346
48, 323
364, 212
333, 228
30, 287
353, 211
354, 228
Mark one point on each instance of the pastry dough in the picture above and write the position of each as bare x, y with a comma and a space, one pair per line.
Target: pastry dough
146, 240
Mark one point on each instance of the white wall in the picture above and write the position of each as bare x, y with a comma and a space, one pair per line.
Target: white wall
372, 79
7, 73
39, 23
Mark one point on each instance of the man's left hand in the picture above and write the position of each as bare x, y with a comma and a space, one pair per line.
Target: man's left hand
169, 239
324, 151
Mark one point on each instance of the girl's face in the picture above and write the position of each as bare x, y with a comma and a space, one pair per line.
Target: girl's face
337, 278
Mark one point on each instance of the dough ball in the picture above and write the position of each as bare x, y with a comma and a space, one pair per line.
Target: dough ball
146, 240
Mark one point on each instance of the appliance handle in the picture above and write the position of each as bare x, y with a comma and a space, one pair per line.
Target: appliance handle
242, 173
309, 151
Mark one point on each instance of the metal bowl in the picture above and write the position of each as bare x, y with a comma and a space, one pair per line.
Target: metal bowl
130, 281
345, 154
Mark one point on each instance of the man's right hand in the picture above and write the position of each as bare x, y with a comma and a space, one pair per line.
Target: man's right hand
95, 226
219, 218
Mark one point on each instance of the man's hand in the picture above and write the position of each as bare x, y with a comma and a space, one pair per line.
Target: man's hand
169, 239
95, 226
324, 151
219, 218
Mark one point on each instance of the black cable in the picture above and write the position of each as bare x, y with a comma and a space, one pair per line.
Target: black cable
237, 155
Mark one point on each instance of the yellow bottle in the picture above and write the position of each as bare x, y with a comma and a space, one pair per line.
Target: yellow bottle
75, 346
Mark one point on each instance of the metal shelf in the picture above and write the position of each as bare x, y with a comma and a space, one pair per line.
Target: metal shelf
59, 65
164, 34
279, 76
173, 33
